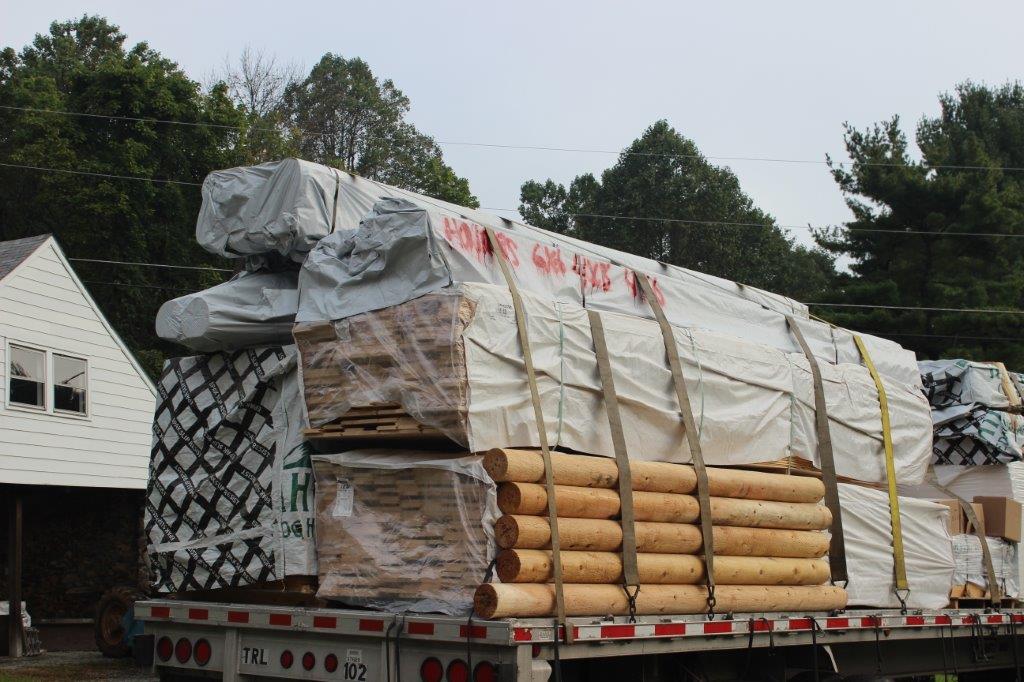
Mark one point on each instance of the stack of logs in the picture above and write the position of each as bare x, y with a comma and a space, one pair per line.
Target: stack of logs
769, 540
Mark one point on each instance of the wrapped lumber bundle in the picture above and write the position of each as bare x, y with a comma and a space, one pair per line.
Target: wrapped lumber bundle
402, 530
975, 411
452, 361
970, 578
251, 309
768, 530
228, 503
867, 533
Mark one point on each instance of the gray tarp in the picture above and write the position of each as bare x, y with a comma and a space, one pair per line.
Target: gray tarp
252, 309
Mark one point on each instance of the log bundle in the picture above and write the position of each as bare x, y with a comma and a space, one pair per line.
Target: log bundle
769, 533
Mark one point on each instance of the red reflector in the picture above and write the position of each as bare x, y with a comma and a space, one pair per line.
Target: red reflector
485, 672
458, 671
164, 648
415, 628
431, 670
369, 625
330, 663
160, 612
198, 614
325, 622
183, 650
238, 616
308, 660
287, 659
280, 619
202, 652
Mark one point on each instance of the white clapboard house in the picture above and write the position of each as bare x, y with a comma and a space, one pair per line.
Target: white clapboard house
75, 425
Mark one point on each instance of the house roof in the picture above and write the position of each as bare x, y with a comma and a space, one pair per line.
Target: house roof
13, 252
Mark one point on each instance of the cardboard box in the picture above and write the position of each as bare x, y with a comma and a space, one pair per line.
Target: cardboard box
958, 523
1002, 517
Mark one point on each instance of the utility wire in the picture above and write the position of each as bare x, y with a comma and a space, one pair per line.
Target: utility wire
135, 286
911, 307
460, 143
722, 223
950, 336
151, 265
99, 175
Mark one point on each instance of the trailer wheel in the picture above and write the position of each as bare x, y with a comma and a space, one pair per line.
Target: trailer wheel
111, 610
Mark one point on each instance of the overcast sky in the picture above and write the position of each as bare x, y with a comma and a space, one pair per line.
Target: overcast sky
752, 79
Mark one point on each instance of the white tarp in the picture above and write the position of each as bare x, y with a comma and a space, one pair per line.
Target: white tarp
251, 309
926, 545
752, 403
970, 563
963, 382
289, 206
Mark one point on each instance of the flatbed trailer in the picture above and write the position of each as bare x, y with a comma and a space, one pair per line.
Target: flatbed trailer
248, 642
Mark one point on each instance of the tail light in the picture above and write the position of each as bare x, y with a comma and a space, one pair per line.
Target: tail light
308, 660
485, 672
431, 670
330, 663
202, 652
458, 671
183, 650
287, 659
164, 648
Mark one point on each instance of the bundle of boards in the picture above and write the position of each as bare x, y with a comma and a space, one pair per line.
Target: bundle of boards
769, 539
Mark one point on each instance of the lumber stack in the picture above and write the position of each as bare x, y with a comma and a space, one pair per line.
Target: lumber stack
410, 355
768, 530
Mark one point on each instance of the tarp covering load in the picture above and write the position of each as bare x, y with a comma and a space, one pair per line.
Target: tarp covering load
976, 409
229, 501
868, 535
412, 245
282, 207
403, 530
251, 309
452, 360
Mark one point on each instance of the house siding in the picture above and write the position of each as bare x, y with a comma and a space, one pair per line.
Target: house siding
42, 305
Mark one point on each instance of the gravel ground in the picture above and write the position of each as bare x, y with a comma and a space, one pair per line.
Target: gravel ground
71, 665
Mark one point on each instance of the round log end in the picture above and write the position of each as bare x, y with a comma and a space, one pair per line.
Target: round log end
510, 499
506, 532
508, 566
485, 601
496, 465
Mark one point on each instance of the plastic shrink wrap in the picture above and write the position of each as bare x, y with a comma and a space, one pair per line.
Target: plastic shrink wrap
868, 535
251, 309
229, 500
970, 565
403, 531
453, 361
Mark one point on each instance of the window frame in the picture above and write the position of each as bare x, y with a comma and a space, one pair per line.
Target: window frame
48, 407
52, 385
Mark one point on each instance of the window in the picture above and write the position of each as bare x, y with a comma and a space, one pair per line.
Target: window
69, 383
28, 377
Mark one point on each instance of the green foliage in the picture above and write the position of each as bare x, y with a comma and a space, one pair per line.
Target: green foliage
663, 175
978, 127
84, 66
342, 115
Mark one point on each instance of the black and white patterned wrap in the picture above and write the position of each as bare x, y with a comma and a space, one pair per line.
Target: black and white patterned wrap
229, 501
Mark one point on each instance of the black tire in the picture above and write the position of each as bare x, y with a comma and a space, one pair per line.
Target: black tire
109, 626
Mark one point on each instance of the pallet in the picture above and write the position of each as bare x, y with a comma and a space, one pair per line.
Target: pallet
970, 596
296, 590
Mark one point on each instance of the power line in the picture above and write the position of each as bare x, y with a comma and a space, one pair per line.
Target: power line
489, 145
725, 223
722, 223
99, 175
911, 307
136, 286
151, 265
950, 336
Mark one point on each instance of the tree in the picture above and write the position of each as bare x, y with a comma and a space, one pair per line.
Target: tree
965, 182
663, 200
342, 115
257, 83
84, 66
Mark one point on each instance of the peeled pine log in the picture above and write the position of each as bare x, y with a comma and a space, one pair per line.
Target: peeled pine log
533, 532
527, 466
514, 600
599, 503
535, 566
